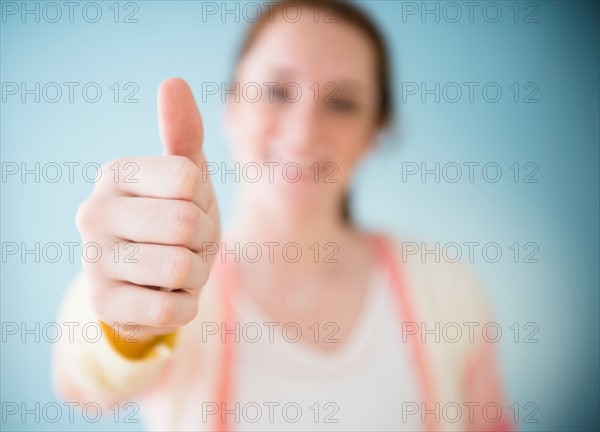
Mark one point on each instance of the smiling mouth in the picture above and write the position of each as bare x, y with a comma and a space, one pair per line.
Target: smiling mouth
303, 173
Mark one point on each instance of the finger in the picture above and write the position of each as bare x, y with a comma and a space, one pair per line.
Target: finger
170, 267
160, 221
143, 306
173, 177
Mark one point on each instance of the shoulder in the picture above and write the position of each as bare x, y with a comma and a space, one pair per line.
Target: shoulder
450, 287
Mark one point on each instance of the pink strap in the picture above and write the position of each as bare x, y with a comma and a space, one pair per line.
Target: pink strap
386, 255
481, 367
224, 383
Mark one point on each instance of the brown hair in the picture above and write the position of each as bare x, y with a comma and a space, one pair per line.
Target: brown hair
340, 11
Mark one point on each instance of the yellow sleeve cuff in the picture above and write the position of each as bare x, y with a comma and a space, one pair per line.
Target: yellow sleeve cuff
137, 350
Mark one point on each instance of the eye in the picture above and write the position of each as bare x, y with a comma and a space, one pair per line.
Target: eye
278, 94
343, 106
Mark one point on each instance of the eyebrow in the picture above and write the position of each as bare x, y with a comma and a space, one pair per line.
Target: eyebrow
345, 85
352, 86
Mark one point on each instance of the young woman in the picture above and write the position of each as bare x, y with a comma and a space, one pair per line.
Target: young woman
294, 319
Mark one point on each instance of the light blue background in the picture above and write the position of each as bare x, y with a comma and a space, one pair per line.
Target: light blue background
560, 134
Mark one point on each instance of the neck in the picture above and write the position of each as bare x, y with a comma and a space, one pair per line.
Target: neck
329, 245
253, 222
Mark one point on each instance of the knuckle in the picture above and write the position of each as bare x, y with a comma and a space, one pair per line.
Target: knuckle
86, 217
187, 178
82, 217
205, 274
213, 240
107, 166
189, 313
100, 299
163, 313
186, 220
214, 232
178, 265
106, 174
90, 262
207, 200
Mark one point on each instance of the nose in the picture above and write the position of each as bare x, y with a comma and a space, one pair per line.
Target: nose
301, 130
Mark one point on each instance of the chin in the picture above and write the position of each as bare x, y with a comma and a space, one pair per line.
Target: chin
294, 203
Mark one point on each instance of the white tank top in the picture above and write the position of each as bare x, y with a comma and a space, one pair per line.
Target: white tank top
283, 385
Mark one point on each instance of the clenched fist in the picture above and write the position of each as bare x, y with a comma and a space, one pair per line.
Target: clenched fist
151, 227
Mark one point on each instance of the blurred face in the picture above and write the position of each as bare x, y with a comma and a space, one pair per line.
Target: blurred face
306, 113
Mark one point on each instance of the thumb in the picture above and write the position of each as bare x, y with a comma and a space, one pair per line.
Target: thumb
179, 121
